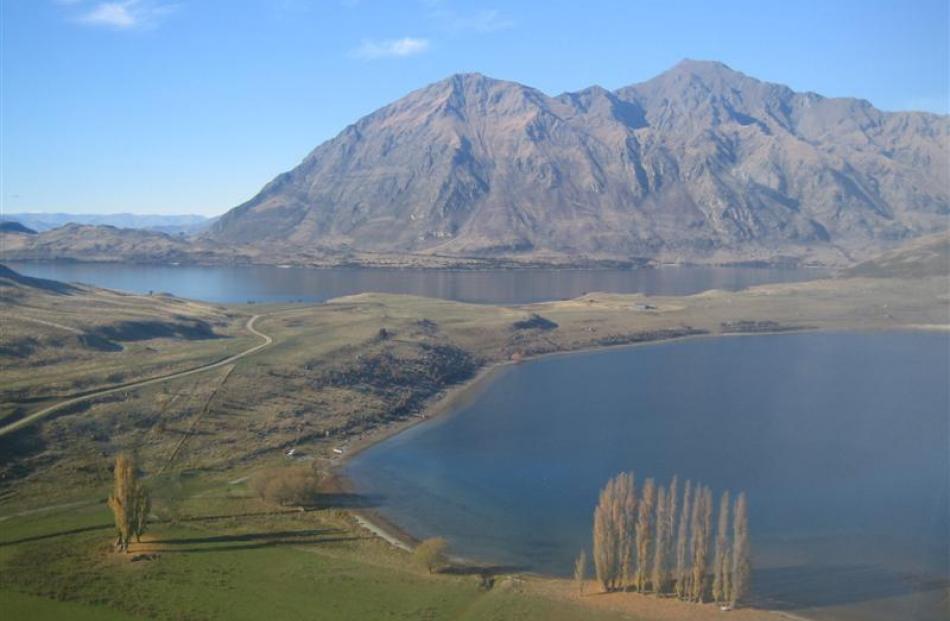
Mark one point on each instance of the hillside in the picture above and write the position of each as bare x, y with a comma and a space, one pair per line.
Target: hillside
60, 338
701, 163
108, 244
928, 256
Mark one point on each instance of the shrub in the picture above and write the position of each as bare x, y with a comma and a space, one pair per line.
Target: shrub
430, 554
297, 485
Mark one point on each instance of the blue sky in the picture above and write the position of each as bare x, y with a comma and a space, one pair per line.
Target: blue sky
190, 106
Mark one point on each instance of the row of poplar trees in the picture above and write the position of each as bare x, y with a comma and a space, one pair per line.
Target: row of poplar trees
660, 542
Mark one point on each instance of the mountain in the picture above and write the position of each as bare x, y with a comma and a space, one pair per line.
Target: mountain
701, 163
171, 224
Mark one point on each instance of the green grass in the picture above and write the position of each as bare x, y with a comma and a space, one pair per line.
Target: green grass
20, 606
283, 566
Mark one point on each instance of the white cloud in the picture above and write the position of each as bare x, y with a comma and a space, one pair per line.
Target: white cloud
489, 20
390, 48
451, 20
124, 14
115, 14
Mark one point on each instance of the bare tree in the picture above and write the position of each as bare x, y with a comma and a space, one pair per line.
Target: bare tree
626, 511
660, 546
672, 500
741, 569
580, 571
644, 533
721, 568
613, 523
682, 545
699, 549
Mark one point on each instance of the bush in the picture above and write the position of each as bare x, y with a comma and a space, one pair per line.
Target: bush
534, 322
430, 554
297, 485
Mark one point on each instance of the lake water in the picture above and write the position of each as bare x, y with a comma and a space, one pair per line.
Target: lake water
265, 283
840, 439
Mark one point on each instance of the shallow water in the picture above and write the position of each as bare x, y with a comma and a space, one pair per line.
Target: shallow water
266, 283
840, 440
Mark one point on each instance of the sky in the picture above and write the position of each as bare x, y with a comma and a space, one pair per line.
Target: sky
191, 106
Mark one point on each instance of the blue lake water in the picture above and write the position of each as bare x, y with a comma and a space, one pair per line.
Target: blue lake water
840, 440
266, 283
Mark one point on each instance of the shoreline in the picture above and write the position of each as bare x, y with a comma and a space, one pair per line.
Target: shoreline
453, 264
447, 404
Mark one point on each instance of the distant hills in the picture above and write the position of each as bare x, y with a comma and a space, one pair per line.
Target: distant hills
10, 226
701, 163
173, 224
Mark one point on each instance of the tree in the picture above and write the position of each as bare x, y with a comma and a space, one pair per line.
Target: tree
430, 554
682, 545
721, 568
741, 569
672, 500
292, 485
580, 571
129, 502
699, 548
644, 533
613, 521
660, 546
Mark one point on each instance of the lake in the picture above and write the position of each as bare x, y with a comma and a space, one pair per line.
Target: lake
267, 283
839, 439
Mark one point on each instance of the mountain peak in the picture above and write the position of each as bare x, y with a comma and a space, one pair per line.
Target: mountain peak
696, 66
701, 162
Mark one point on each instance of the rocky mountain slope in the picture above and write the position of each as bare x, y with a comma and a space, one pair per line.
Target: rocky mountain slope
701, 163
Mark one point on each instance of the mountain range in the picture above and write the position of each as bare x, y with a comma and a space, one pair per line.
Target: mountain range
701, 163
171, 224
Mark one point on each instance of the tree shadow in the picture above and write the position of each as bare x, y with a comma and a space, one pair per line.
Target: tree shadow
248, 541
250, 546
481, 570
267, 535
346, 500
61, 533
790, 588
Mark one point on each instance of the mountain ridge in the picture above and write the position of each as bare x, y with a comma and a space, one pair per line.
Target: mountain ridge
701, 163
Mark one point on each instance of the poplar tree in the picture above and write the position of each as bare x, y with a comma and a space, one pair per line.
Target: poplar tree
702, 516
644, 533
682, 545
129, 502
721, 567
660, 547
580, 571
626, 511
613, 523
741, 569
672, 503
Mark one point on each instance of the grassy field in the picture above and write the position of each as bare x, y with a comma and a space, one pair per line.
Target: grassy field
238, 558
